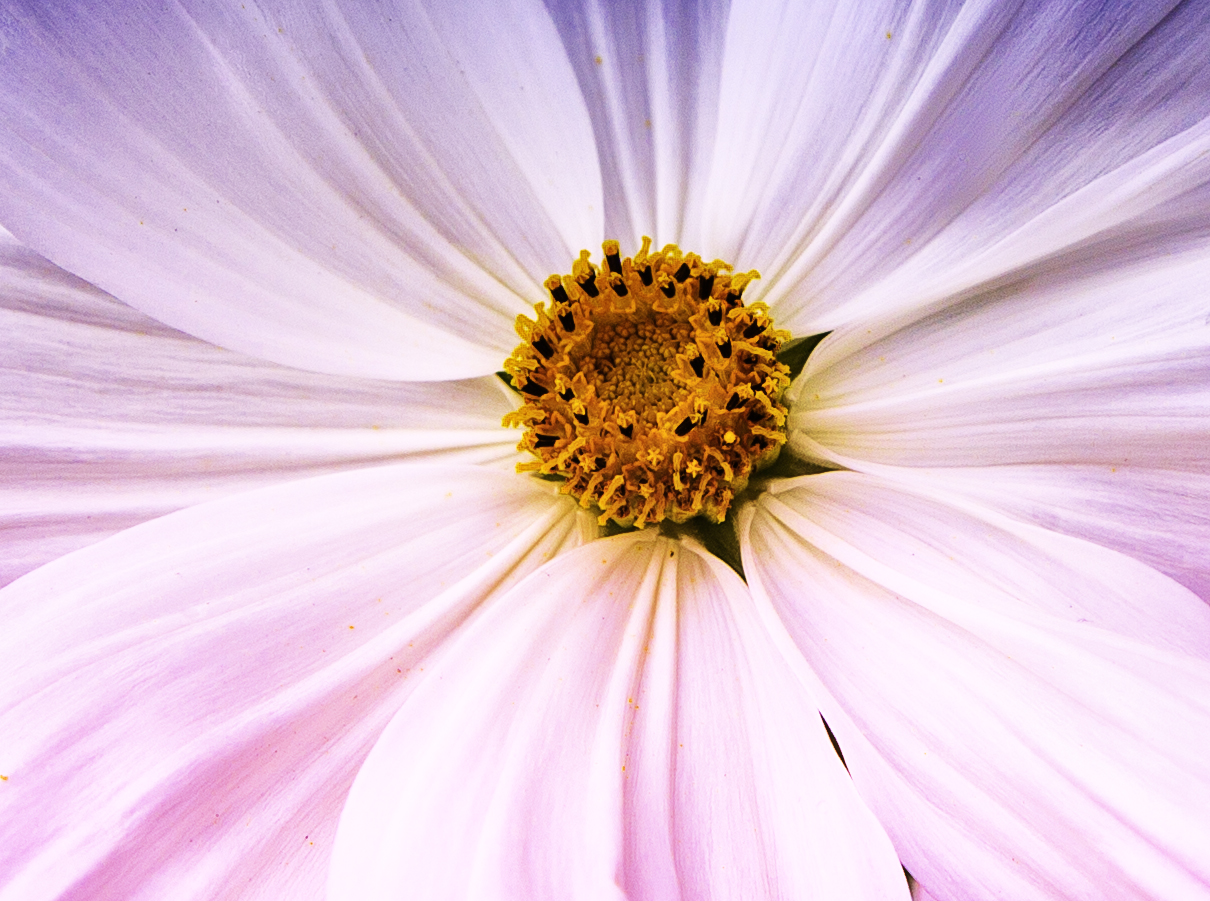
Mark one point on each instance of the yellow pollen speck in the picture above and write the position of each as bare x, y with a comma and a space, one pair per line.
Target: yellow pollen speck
649, 386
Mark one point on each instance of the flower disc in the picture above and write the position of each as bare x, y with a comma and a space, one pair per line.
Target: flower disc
649, 385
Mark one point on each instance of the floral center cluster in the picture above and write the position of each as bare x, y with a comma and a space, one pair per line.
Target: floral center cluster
649, 386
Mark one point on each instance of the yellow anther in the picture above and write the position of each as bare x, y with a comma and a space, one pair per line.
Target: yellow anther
582, 267
570, 451
641, 257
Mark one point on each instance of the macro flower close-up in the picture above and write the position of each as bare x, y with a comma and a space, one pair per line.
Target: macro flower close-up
589, 450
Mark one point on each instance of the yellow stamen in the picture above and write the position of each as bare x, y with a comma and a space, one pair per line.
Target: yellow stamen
649, 386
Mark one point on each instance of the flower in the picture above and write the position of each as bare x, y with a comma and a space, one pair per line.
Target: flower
429, 677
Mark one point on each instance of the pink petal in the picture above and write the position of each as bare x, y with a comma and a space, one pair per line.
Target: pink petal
186, 704
108, 418
1027, 716
349, 189
919, 893
617, 726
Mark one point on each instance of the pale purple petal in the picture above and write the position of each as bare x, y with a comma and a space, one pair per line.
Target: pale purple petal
617, 726
1086, 364
1159, 516
1026, 715
649, 74
108, 418
808, 92
878, 157
345, 188
186, 704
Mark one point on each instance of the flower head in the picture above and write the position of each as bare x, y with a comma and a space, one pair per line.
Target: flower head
290, 623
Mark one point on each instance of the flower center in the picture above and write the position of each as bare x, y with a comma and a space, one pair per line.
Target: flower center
649, 386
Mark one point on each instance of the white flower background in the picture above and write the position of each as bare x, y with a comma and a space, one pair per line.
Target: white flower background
281, 620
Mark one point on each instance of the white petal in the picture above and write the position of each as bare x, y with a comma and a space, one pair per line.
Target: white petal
1161, 517
1009, 566
1011, 708
649, 75
903, 154
1086, 364
348, 189
108, 418
185, 704
1151, 206
617, 726
807, 93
